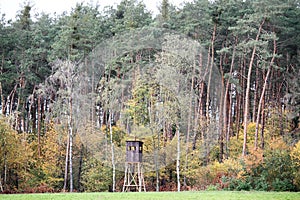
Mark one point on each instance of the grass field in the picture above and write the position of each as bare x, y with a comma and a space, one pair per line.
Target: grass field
210, 195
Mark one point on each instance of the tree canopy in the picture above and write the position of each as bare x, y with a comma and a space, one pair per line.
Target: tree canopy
211, 88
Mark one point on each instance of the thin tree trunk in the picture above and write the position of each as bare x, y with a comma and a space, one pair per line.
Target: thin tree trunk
210, 63
156, 164
210, 71
201, 104
66, 164
229, 125
80, 167
226, 114
256, 94
262, 137
247, 97
156, 160
263, 95
1, 91
222, 115
1, 186
178, 159
112, 152
2, 100
39, 125
12, 101
71, 146
240, 97
238, 113
5, 170
188, 128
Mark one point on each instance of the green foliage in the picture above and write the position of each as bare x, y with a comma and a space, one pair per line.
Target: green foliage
117, 134
212, 188
96, 176
130, 14
78, 34
239, 185
268, 170
138, 106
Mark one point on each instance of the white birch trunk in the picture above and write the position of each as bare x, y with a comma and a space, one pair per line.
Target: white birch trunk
66, 165
178, 160
112, 153
71, 148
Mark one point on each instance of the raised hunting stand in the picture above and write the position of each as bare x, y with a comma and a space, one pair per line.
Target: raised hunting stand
134, 179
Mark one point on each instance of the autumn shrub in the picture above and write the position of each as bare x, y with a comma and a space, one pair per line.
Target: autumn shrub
50, 162
42, 188
201, 178
235, 144
217, 175
277, 166
295, 156
267, 170
194, 164
16, 157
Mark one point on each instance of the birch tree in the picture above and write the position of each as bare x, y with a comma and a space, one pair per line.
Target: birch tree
62, 83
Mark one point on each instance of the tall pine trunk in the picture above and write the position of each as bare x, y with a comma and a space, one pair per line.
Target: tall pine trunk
247, 96
210, 71
227, 107
263, 96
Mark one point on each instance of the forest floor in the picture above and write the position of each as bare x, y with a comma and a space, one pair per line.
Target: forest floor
205, 195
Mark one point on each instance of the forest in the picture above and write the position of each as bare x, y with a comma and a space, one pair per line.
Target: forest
211, 88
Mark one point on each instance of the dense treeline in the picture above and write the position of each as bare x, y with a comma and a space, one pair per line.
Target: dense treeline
232, 116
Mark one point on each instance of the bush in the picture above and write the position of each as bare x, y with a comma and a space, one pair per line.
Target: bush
261, 184
282, 185
295, 156
239, 185
268, 170
96, 176
213, 187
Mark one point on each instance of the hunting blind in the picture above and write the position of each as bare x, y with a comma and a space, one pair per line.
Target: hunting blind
134, 179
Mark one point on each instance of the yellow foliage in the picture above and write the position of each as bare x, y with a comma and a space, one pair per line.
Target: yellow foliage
278, 144
276, 123
194, 161
15, 152
233, 165
295, 154
51, 155
236, 145
214, 173
228, 166
253, 159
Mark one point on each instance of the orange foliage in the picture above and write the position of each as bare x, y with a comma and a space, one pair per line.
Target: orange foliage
253, 159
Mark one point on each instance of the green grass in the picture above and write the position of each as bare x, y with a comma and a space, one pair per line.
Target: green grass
210, 195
